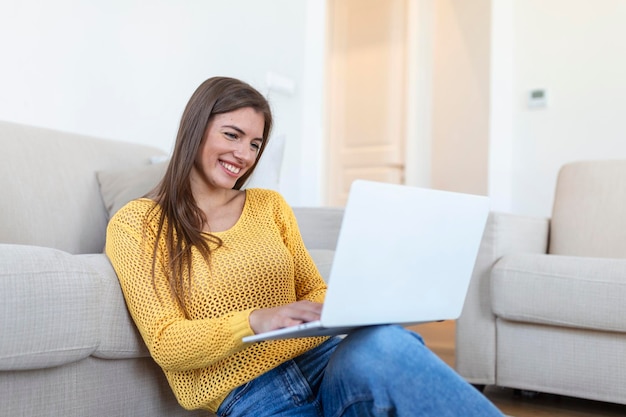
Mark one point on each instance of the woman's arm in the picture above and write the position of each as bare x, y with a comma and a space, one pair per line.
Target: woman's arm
175, 342
309, 283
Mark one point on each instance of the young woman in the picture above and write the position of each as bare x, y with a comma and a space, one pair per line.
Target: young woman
203, 263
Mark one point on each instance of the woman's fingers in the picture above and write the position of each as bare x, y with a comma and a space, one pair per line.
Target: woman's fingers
304, 310
266, 319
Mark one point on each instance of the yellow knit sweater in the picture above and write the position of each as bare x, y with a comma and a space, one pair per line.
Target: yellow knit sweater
262, 263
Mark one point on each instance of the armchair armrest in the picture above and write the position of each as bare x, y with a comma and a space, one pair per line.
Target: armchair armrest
475, 329
540, 289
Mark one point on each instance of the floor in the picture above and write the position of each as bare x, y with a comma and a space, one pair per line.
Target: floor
440, 338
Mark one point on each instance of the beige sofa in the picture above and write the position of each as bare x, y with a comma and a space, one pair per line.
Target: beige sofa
546, 309
67, 344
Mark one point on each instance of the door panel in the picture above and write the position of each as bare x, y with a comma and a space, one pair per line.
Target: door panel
366, 93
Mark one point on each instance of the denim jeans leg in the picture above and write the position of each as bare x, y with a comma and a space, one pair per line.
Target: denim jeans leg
387, 370
376, 371
288, 390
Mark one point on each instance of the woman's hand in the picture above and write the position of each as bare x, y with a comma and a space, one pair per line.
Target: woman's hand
266, 319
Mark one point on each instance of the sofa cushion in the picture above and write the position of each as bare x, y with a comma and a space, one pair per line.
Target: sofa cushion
319, 226
568, 291
118, 187
119, 338
323, 259
50, 305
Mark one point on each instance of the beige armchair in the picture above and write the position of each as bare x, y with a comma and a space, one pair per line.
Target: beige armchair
546, 309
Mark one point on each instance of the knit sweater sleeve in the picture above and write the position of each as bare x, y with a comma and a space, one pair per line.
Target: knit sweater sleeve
308, 281
175, 342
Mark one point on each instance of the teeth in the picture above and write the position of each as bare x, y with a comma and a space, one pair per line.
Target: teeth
231, 168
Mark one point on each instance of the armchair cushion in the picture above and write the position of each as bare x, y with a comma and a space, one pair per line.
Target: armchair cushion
558, 290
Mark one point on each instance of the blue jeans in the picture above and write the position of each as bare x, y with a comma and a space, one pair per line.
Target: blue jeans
375, 371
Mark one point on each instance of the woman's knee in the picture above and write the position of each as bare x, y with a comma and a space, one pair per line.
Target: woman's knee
384, 339
376, 349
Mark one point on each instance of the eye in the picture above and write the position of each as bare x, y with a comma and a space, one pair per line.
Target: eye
231, 136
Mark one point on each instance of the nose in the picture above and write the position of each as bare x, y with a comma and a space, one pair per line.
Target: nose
244, 152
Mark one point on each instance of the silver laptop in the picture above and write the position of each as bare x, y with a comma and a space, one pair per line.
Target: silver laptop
404, 255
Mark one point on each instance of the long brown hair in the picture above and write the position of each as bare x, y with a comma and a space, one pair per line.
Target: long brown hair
181, 220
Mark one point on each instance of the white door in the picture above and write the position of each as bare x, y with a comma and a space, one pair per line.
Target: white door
366, 93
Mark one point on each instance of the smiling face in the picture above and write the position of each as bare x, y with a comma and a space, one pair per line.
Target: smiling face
228, 150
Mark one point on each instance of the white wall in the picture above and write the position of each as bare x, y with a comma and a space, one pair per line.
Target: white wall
575, 49
500, 144
461, 95
124, 69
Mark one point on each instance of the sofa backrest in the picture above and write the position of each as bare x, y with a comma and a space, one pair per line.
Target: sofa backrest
49, 193
319, 226
589, 213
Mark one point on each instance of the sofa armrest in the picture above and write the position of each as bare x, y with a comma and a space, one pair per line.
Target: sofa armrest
49, 308
475, 329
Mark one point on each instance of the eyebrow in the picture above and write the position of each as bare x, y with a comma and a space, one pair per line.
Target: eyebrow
235, 128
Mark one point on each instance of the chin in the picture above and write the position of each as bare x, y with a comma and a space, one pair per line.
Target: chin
231, 184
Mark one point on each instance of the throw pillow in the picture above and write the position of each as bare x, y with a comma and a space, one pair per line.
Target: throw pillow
121, 186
